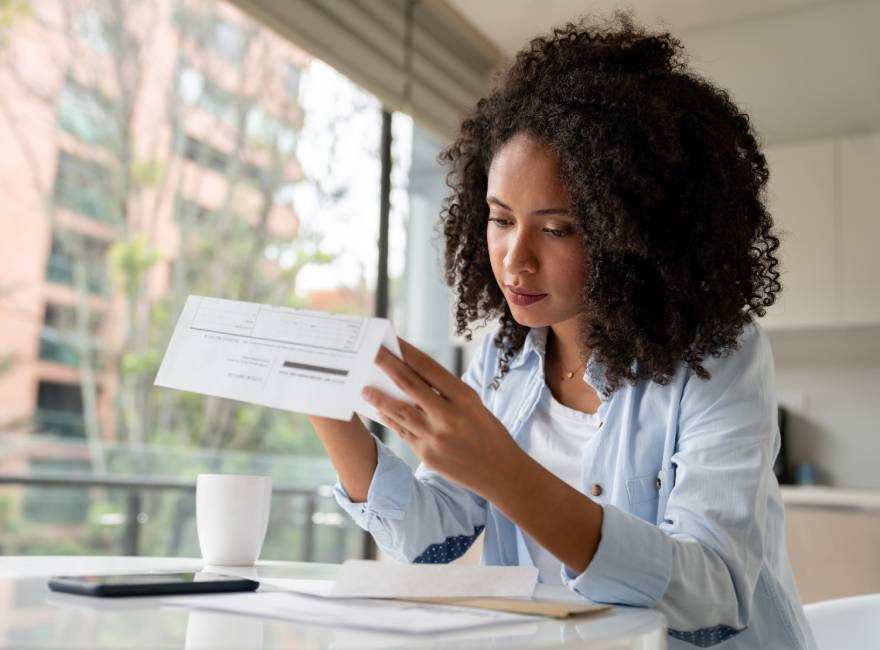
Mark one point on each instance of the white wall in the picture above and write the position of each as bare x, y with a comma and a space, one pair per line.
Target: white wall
830, 381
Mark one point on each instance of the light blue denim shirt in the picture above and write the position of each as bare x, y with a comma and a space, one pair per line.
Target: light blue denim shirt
693, 519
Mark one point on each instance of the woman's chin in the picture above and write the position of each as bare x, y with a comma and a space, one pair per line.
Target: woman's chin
526, 318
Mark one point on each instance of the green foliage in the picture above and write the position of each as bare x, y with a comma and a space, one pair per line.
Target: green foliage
12, 11
133, 363
129, 261
147, 173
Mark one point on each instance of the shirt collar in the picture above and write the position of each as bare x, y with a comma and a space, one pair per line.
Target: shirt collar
536, 344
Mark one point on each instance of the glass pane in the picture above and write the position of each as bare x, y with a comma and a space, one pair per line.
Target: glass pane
420, 299
162, 148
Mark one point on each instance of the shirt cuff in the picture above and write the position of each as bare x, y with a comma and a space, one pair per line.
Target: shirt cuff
389, 494
632, 565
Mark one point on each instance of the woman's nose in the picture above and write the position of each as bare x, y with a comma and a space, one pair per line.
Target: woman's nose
520, 257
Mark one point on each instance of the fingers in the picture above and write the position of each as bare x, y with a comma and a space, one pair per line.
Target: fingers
405, 434
434, 373
403, 418
409, 381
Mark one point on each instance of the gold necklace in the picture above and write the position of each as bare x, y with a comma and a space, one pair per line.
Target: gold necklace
569, 375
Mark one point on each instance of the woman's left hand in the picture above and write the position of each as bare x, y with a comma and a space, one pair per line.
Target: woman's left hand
448, 427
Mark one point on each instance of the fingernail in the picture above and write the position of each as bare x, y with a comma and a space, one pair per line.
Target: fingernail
367, 394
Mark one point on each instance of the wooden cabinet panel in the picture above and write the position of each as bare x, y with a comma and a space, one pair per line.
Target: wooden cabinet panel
801, 199
833, 553
860, 229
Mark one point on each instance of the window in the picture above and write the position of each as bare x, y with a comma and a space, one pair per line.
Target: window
60, 410
197, 89
89, 26
84, 186
65, 318
86, 114
228, 40
70, 249
204, 154
262, 194
61, 341
268, 131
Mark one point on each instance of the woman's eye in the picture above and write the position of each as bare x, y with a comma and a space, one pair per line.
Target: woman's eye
499, 221
557, 233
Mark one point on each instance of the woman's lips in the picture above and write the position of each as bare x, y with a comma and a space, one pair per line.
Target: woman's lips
523, 299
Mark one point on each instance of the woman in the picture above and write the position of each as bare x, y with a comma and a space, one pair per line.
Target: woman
618, 431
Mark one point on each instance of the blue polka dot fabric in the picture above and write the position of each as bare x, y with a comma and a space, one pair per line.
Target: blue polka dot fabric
706, 637
452, 549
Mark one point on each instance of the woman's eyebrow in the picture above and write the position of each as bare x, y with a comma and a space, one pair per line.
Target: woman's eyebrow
537, 213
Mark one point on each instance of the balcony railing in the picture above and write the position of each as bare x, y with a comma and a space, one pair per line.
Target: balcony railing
313, 541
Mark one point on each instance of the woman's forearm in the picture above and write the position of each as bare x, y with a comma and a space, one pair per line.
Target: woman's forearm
564, 521
351, 450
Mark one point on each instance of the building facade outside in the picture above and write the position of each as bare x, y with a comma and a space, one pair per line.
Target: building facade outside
150, 150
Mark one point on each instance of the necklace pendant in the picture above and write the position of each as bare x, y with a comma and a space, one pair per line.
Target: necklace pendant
569, 375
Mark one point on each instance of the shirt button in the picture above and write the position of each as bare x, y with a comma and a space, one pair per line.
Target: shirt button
596, 490
657, 483
600, 425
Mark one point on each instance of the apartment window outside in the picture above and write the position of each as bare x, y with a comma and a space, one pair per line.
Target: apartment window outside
62, 342
84, 186
228, 40
86, 114
70, 250
211, 158
60, 409
197, 89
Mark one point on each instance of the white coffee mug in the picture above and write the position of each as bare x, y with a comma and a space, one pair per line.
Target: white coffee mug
232, 513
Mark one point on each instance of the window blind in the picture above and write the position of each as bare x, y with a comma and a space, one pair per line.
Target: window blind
417, 56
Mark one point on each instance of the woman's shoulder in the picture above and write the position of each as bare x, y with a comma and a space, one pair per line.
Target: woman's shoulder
746, 367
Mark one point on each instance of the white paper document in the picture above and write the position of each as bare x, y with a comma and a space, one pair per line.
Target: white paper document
378, 615
299, 360
374, 579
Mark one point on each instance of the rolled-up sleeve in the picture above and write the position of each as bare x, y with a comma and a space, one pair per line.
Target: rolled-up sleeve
419, 516
632, 564
700, 566
389, 494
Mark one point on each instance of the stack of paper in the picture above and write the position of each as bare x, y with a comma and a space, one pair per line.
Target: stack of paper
412, 599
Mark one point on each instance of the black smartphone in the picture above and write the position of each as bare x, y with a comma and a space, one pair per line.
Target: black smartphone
151, 584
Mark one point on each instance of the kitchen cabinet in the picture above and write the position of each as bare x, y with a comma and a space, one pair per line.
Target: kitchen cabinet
824, 197
833, 535
860, 229
801, 199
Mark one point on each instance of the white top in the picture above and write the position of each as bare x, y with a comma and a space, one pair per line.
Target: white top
556, 437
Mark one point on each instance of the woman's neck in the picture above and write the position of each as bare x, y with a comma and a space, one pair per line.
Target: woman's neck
565, 346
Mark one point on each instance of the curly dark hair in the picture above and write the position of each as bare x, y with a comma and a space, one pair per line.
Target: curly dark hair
666, 183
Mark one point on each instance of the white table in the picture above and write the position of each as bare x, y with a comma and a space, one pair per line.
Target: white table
31, 616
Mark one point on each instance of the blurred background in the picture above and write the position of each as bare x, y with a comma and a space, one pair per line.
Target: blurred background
285, 152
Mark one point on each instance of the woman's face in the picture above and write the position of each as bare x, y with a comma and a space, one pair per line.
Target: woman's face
536, 254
